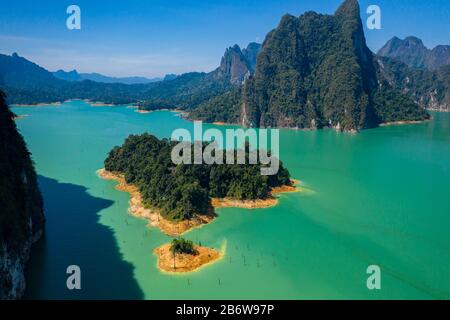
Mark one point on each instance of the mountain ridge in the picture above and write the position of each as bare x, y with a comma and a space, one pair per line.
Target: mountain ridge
74, 75
415, 54
27, 83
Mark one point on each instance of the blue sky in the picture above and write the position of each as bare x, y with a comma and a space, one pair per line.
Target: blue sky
154, 37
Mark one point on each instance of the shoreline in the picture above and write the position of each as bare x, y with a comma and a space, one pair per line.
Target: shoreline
59, 103
143, 111
438, 110
403, 122
100, 104
137, 209
52, 104
337, 129
104, 104
175, 229
271, 201
22, 116
185, 263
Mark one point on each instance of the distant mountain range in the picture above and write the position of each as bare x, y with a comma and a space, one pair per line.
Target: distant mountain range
417, 71
413, 53
27, 83
97, 77
311, 71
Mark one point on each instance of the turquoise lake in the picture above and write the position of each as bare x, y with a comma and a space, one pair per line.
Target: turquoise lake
380, 197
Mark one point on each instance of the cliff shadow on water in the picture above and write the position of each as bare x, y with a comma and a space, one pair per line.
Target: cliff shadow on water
74, 236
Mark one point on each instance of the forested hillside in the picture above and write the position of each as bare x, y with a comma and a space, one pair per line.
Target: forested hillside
317, 71
429, 89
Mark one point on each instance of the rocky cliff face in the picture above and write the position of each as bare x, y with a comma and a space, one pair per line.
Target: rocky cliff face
251, 53
429, 89
413, 53
21, 208
316, 71
234, 66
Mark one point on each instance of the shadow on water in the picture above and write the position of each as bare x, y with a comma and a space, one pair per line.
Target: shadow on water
74, 236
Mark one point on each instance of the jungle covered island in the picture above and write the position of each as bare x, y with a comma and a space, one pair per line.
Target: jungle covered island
183, 256
176, 198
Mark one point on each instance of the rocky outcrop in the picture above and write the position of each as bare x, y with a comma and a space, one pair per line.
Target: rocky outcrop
251, 53
233, 66
316, 71
21, 213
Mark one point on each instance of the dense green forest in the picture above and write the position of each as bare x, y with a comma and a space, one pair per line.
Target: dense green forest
429, 89
316, 71
21, 210
182, 191
222, 108
180, 245
184, 92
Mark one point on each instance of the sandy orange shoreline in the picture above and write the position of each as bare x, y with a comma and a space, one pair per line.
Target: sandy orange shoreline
175, 229
256, 204
185, 262
155, 219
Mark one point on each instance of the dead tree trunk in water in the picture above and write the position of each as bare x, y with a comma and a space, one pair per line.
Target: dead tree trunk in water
174, 260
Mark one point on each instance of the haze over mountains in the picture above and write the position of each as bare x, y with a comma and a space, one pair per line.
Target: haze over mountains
27, 83
97, 77
413, 53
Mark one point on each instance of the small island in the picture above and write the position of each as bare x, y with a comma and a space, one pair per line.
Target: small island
183, 256
178, 198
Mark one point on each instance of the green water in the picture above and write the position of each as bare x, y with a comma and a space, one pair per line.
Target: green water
379, 197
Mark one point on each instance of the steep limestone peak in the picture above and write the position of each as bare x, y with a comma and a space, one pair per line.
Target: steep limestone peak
348, 9
233, 66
